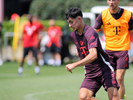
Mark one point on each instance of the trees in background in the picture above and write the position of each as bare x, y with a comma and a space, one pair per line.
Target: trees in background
47, 9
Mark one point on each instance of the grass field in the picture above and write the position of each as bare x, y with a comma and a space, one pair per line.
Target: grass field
53, 83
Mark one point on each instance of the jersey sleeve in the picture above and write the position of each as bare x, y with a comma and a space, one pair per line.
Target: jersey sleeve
131, 23
92, 38
42, 27
72, 37
99, 22
60, 31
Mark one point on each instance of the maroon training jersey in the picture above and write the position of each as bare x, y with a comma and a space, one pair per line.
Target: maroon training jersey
90, 39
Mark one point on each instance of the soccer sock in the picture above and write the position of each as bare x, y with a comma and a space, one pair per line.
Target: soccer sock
37, 70
51, 62
29, 62
20, 70
58, 62
41, 62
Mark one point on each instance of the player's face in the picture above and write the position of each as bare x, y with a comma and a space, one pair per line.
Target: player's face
113, 4
73, 23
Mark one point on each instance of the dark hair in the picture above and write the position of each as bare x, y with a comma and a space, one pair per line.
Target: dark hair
30, 18
73, 13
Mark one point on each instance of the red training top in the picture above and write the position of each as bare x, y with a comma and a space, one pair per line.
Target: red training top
30, 33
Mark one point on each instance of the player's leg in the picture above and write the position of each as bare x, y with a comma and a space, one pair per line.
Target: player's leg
51, 50
122, 65
86, 94
40, 58
57, 56
89, 88
57, 59
37, 69
110, 84
120, 73
39, 55
20, 69
25, 52
113, 93
29, 58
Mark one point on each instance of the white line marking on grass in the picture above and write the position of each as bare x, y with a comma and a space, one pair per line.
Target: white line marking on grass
30, 96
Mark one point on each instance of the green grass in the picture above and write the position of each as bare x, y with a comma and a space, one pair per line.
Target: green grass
53, 83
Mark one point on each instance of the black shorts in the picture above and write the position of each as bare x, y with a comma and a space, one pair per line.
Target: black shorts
26, 50
54, 49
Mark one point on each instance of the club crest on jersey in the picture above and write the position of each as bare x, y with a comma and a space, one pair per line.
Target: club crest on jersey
108, 23
92, 37
30, 30
81, 43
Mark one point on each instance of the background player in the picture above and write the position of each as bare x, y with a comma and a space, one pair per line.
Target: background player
38, 38
54, 44
117, 26
93, 59
30, 32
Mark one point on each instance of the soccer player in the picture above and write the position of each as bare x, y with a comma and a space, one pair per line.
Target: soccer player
98, 71
30, 31
54, 44
38, 38
117, 26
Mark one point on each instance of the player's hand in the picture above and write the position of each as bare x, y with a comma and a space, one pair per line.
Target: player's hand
69, 67
78, 54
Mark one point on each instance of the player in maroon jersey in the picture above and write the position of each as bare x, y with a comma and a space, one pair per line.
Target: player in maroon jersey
98, 71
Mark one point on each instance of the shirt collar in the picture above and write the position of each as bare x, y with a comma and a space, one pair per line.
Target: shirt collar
83, 31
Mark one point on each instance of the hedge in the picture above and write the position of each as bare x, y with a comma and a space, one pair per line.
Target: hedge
8, 26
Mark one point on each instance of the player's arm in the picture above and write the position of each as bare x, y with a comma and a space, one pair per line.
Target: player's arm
60, 33
87, 60
20, 39
78, 53
131, 27
43, 28
131, 32
98, 23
